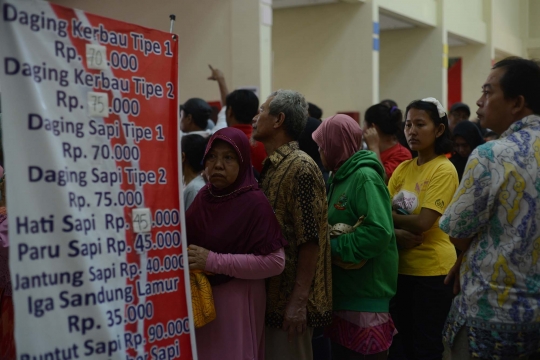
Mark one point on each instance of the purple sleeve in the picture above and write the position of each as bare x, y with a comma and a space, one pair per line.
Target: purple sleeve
247, 266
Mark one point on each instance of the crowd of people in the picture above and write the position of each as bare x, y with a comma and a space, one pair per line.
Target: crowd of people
381, 241
328, 239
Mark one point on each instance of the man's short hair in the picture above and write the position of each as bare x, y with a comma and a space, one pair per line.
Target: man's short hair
459, 106
522, 77
194, 145
294, 106
200, 111
244, 105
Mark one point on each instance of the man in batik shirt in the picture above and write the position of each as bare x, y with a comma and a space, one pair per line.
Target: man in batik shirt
300, 299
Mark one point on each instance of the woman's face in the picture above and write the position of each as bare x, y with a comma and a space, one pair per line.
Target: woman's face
222, 165
323, 159
462, 147
420, 130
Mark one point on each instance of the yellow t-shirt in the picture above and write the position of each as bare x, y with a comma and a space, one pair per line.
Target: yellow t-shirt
430, 186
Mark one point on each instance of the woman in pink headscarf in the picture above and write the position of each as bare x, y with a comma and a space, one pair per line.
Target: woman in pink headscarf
364, 252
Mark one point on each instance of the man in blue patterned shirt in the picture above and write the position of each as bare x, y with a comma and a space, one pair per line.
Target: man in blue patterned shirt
494, 218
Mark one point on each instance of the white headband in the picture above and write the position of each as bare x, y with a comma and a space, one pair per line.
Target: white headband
440, 109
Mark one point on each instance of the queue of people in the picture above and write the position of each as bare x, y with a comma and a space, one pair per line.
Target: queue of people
370, 257
365, 257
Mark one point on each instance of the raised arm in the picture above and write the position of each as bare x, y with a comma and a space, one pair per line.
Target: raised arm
217, 75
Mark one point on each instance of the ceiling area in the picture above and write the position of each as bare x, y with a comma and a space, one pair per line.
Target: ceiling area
387, 22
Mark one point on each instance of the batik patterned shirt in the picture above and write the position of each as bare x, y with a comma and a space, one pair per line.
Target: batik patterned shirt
295, 187
498, 205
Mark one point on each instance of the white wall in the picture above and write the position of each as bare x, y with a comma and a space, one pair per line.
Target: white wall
224, 33
476, 65
424, 12
325, 52
507, 30
465, 18
411, 65
534, 14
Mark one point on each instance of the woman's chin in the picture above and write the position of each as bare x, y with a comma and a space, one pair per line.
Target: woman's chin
220, 185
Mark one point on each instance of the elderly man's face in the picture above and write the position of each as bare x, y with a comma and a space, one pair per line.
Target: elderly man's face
494, 110
263, 123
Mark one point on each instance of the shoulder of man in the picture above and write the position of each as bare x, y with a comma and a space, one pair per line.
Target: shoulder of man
303, 164
489, 151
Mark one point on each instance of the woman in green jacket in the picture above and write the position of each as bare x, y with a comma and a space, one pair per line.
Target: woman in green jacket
364, 252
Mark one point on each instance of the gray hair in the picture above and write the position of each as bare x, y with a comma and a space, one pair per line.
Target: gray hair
294, 106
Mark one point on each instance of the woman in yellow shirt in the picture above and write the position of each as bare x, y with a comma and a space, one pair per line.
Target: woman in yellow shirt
421, 189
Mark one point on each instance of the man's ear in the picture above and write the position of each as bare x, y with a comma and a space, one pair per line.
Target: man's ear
519, 104
183, 156
280, 119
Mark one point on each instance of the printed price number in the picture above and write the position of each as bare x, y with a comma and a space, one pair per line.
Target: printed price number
167, 217
133, 313
119, 152
96, 57
126, 106
123, 198
168, 239
142, 221
123, 61
168, 263
98, 104
173, 328
114, 317
164, 240
143, 242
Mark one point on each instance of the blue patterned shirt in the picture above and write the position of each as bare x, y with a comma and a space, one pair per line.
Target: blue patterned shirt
498, 205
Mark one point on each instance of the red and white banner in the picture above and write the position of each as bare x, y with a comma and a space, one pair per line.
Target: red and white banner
90, 141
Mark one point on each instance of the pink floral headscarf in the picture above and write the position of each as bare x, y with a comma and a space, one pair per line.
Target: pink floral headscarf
339, 137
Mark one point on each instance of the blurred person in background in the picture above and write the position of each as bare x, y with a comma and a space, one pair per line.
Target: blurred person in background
466, 138
193, 147
310, 147
381, 128
459, 112
240, 107
194, 115
314, 111
491, 135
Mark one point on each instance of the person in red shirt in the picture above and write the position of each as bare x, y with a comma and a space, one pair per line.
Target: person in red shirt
381, 127
241, 108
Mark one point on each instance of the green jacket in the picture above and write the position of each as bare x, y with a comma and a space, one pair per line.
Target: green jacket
358, 189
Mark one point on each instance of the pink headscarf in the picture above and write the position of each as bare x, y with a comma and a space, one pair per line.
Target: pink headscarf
339, 137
